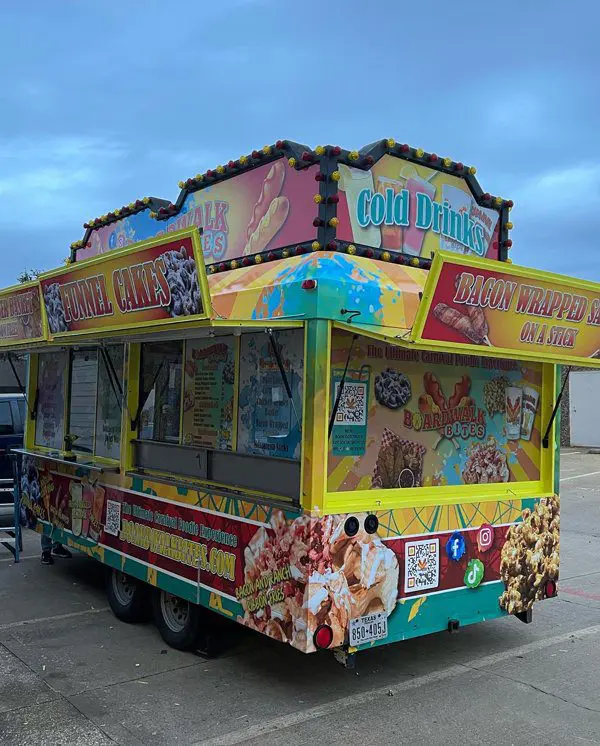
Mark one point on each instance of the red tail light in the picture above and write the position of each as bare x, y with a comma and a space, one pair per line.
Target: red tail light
551, 589
323, 636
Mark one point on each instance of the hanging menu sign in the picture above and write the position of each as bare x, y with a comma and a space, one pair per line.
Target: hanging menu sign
505, 310
21, 315
208, 393
153, 282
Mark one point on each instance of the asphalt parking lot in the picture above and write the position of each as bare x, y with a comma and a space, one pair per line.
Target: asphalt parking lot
70, 673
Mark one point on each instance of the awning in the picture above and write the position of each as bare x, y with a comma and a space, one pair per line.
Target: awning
391, 334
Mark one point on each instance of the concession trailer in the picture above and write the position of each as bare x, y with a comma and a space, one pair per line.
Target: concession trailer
313, 396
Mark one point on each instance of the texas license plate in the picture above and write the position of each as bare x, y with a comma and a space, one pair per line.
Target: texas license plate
368, 628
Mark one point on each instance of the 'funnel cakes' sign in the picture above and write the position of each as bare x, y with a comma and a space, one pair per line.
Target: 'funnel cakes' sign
156, 281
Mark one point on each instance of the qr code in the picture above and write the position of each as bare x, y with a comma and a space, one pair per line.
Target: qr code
352, 409
112, 524
421, 565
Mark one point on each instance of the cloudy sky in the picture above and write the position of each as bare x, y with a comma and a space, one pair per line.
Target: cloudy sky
105, 102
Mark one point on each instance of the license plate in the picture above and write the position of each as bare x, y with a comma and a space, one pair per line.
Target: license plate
368, 628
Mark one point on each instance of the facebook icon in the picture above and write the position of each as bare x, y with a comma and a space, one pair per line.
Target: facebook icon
456, 546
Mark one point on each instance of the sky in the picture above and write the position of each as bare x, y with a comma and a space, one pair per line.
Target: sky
105, 102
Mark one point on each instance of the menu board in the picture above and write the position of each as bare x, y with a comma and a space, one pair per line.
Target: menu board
49, 423
108, 410
268, 421
208, 393
82, 405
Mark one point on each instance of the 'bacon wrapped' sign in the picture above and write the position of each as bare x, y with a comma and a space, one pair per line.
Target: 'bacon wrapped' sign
518, 311
147, 283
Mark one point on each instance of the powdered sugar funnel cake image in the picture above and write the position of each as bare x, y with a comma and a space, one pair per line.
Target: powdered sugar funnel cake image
486, 463
182, 278
302, 574
54, 308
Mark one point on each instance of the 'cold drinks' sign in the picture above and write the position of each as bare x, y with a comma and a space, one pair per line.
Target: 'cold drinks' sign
414, 209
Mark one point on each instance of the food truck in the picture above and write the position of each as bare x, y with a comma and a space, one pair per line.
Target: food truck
313, 396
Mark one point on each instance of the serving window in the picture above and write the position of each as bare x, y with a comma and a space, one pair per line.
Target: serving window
50, 400
80, 393
96, 400
410, 418
212, 405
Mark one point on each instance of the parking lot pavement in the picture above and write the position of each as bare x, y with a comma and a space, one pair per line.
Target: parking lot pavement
70, 673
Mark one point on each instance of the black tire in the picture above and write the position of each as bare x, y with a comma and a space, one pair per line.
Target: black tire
128, 597
178, 621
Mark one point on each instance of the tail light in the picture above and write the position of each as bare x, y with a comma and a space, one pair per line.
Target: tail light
323, 636
550, 589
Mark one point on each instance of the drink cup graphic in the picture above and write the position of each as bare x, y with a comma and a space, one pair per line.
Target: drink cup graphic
392, 236
514, 400
413, 236
353, 181
530, 404
459, 202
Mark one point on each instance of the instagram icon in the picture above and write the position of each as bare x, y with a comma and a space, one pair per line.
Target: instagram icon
485, 537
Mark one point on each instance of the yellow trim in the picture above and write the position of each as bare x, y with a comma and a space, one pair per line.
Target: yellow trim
132, 403
303, 415
294, 323
378, 499
200, 266
428, 291
32, 379
548, 400
315, 415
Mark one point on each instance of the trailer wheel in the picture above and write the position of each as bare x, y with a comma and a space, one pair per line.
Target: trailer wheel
177, 620
128, 597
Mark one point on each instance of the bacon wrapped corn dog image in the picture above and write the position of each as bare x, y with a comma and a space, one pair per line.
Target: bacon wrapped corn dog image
478, 322
463, 323
476, 316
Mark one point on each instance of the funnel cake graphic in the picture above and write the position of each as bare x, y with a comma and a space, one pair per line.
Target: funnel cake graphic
330, 578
